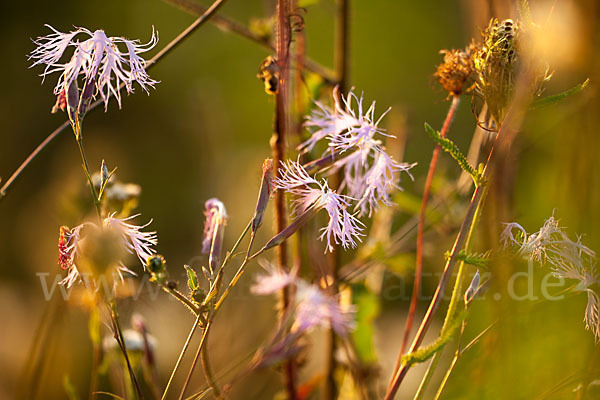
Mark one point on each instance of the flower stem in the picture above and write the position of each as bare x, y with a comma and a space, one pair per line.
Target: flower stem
454, 300
184, 300
420, 231
503, 140
278, 144
341, 46
86, 168
183, 350
195, 361
205, 360
121, 341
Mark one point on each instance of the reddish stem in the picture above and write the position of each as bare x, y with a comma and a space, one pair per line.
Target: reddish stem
421, 228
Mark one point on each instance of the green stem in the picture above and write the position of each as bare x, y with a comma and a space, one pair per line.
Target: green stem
240, 270
184, 300
455, 299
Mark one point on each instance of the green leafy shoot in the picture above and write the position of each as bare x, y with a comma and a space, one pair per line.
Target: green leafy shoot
479, 260
549, 100
448, 146
425, 353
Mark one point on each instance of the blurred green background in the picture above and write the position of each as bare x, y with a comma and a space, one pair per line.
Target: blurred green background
204, 132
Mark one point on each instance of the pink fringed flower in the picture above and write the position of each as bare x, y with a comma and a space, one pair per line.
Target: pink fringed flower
342, 227
134, 241
317, 309
313, 307
273, 281
98, 59
370, 174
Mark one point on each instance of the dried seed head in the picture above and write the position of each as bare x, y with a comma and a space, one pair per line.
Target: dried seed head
505, 51
455, 74
496, 64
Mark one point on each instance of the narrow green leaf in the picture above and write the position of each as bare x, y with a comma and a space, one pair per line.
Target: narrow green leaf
425, 353
448, 146
549, 100
479, 260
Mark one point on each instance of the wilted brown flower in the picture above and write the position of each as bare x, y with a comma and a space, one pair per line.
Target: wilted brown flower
455, 74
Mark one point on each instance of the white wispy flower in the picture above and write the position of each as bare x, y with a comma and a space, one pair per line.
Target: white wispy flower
342, 227
133, 240
568, 259
97, 59
312, 306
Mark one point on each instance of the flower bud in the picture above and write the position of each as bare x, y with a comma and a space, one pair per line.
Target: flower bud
265, 193
157, 267
473, 288
214, 229
104, 174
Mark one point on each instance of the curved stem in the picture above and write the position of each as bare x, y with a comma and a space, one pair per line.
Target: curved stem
9, 182
183, 350
205, 360
420, 231
195, 361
